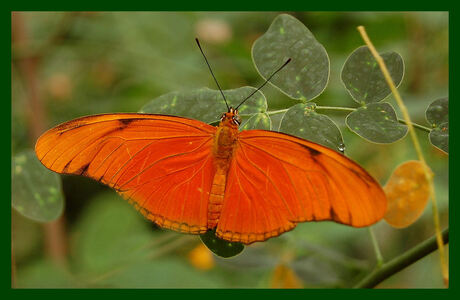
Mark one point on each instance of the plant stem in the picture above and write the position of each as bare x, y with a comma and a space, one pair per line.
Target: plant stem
350, 109
275, 112
428, 174
378, 254
416, 125
399, 263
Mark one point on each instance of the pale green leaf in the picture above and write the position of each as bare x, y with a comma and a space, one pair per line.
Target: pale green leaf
439, 137
306, 76
36, 191
363, 78
437, 114
257, 121
377, 123
205, 104
303, 121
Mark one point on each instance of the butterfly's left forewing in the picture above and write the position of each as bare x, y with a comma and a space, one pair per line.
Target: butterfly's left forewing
162, 164
277, 180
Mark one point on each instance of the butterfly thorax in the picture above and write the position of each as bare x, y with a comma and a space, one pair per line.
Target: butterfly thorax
225, 137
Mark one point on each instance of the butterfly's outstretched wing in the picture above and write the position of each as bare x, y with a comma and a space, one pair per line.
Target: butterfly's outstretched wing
162, 164
276, 180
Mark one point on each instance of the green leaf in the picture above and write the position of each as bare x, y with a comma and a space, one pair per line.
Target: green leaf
363, 78
111, 233
220, 247
45, 274
439, 137
301, 120
205, 104
36, 191
377, 123
26, 236
438, 112
257, 121
164, 273
306, 76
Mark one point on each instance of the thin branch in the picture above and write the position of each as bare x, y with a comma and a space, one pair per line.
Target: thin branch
416, 125
275, 112
428, 174
378, 253
350, 109
404, 260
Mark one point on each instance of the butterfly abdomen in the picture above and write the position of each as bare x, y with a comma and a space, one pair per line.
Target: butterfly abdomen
216, 197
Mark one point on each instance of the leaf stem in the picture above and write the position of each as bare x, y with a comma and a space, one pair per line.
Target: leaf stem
402, 261
336, 108
416, 125
428, 174
275, 112
378, 254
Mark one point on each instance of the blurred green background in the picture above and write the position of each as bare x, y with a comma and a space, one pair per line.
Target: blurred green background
67, 65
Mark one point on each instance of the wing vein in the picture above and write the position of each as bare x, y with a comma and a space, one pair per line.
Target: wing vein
269, 179
162, 159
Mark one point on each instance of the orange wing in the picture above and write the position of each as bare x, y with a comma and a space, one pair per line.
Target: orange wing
162, 164
276, 180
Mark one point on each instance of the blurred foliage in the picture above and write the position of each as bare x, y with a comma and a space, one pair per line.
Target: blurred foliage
99, 62
36, 191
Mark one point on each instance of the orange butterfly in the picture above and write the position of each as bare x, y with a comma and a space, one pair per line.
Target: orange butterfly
191, 177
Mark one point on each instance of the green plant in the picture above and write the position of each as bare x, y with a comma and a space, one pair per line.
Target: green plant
304, 80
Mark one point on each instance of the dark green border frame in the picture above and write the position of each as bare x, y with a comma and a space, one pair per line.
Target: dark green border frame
222, 6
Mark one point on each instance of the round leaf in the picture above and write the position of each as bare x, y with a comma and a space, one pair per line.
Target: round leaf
306, 76
438, 112
36, 191
439, 137
363, 78
377, 123
407, 193
205, 104
221, 247
257, 121
301, 120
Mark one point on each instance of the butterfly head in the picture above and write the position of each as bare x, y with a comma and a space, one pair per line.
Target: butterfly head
231, 118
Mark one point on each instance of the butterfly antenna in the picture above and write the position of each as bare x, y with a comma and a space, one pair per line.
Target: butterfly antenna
279, 69
209, 66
